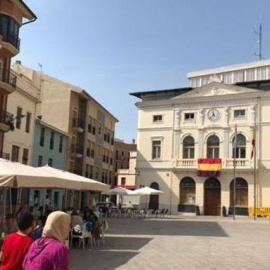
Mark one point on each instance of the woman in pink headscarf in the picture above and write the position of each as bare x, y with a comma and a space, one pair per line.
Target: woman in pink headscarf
50, 252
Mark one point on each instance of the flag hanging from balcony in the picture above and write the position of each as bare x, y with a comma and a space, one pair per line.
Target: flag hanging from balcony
252, 145
209, 167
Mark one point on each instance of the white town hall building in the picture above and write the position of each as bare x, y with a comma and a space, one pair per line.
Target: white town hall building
177, 127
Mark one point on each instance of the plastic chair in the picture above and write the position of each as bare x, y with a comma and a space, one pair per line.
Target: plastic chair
84, 235
165, 212
158, 212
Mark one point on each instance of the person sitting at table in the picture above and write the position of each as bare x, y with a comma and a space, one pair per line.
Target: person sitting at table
10, 225
92, 218
76, 219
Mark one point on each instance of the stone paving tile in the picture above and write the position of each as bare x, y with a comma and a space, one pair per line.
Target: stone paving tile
180, 243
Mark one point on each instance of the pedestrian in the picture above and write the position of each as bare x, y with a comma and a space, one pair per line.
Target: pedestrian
37, 233
50, 252
16, 245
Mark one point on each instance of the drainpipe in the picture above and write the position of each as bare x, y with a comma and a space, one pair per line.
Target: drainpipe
31, 21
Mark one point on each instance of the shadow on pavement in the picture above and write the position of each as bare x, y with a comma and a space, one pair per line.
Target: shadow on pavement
117, 251
166, 227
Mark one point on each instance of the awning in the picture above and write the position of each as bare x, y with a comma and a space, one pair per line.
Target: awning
17, 175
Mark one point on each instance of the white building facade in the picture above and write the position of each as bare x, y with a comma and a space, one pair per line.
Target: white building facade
177, 127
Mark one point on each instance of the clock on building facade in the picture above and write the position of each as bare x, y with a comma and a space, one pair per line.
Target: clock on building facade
213, 115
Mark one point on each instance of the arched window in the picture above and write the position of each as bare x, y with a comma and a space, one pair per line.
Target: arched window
212, 182
188, 147
213, 147
241, 198
187, 191
240, 150
154, 185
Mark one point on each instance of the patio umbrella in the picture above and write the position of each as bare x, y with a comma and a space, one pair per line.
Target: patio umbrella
120, 191
17, 175
146, 191
81, 182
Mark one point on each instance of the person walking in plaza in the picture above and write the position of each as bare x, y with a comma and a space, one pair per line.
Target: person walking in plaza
16, 245
50, 252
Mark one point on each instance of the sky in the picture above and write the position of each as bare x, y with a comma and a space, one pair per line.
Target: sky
111, 48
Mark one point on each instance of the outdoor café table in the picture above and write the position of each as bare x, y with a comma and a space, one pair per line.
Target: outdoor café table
138, 213
115, 212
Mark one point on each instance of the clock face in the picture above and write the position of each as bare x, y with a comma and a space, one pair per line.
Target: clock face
213, 115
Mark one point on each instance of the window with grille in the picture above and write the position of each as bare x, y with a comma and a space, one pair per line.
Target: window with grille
156, 149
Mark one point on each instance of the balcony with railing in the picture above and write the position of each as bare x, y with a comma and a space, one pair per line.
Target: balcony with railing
78, 124
7, 80
77, 150
9, 30
4, 155
186, 163
6, 121
241, 163
13, 39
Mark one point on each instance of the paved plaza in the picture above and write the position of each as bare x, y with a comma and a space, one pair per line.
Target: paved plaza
180, 243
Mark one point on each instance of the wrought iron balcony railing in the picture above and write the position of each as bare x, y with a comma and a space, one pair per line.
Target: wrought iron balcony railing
4, 155
10, 37
78, 122
77, 149
7, 77
6, 117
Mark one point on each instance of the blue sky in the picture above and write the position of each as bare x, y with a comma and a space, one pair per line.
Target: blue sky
114, 47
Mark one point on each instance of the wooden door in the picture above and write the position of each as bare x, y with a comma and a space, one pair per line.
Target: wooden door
153, 202
212, 201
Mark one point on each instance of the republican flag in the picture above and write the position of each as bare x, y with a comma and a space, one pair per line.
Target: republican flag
252, 145
209, 167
